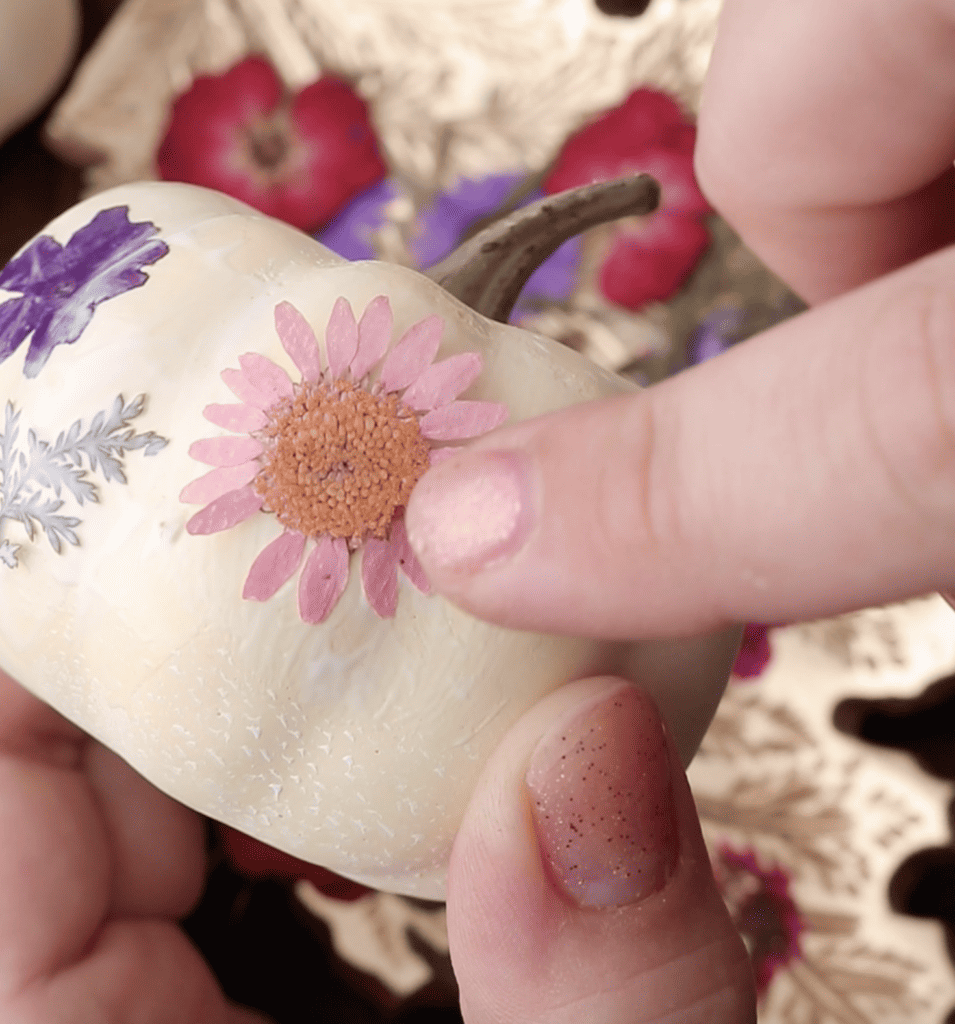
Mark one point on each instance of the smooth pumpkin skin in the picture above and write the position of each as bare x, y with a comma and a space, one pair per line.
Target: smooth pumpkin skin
354, 743
38, 41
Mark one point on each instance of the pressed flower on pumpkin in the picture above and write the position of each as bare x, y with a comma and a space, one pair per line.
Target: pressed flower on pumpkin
335, 457
58, 287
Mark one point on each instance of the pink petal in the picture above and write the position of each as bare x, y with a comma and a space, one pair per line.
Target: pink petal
374, 334
243, 419
436, 455
412, 354
444, 381
225, 451
341, 338
323, 579
225, 512
275, 565
460, 420
379, 576
298, 339
407, 559
246, 392
266, 377
218, 482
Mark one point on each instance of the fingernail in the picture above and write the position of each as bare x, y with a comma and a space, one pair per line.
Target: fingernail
470, 511
602, 800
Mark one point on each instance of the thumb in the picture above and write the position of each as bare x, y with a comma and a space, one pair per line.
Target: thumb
579, 886
806, 472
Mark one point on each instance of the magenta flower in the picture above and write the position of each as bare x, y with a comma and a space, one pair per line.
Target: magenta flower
648, 258
754, 653
299, 157
762, 909
335, 456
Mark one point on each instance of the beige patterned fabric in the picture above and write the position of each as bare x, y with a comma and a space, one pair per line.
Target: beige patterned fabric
458, 87
788, 803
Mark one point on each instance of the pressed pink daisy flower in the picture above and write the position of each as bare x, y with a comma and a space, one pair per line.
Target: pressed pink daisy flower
335, 456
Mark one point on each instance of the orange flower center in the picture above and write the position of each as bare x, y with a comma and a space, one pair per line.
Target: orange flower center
340, 461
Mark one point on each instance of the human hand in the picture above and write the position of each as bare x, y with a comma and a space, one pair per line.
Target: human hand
579, 888
807, 472
96, 866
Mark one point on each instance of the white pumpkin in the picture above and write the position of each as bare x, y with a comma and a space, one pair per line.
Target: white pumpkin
354, 742
38, 40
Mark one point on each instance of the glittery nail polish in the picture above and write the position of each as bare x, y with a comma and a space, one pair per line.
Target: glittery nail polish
602, 800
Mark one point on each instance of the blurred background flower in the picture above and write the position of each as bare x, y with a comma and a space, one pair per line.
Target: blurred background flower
647, 258
384, 222
762, 910
298, 157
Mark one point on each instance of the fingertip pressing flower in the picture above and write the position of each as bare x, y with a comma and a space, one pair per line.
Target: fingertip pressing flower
335, 456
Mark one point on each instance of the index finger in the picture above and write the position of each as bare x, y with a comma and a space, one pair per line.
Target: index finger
806, 472
827, 135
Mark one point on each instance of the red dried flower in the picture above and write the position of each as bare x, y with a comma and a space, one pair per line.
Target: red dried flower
299, 158
649, 257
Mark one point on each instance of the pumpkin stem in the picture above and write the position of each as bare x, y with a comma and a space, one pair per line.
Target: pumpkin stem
489, 270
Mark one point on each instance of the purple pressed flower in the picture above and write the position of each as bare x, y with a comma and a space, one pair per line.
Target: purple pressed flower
352, 233
554, 280
440, 227
60, 286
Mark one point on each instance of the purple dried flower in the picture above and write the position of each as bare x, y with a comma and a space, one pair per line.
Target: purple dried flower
439, 228
717, 333
442, 225
351, 233
60, 286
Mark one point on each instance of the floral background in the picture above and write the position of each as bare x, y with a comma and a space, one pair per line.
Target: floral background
809, 828
311, 158
393, 132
